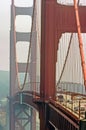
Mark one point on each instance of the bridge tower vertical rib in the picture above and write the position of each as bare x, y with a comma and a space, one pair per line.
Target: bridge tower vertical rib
48, 58
48, 49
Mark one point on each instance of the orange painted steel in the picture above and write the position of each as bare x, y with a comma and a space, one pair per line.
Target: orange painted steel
66, 20
80, 42
48, 49
56, 19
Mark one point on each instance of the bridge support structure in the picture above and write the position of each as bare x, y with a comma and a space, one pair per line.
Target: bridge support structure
55, 20
17, 67
22, 117
48, 59
44, 116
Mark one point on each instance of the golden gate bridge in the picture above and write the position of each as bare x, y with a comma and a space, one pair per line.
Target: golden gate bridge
55, 70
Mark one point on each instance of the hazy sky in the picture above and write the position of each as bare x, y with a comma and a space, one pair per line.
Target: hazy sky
5, 30
4, 33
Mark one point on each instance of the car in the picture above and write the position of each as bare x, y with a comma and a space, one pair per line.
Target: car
69, 101
60, 98
76, 108
82, 108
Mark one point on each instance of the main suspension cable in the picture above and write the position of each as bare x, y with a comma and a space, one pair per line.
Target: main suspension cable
80, 42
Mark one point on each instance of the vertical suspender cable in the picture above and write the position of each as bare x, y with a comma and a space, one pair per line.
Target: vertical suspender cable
80, 42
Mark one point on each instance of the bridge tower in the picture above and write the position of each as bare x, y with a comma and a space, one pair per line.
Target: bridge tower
55, 20
16, 118
48, 59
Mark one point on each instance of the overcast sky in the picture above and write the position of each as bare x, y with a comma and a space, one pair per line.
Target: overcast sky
4, 34
5, 30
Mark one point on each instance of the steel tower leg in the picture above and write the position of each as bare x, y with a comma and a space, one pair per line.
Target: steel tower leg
12, 117
48, 59
48, 50
43, 117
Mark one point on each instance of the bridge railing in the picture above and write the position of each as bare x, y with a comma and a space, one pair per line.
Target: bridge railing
71, 87
73, 102
30, 86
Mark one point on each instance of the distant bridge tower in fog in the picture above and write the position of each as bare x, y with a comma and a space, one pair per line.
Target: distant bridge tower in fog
17, 68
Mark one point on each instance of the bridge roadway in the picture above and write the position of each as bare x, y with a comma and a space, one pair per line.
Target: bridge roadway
58, 114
